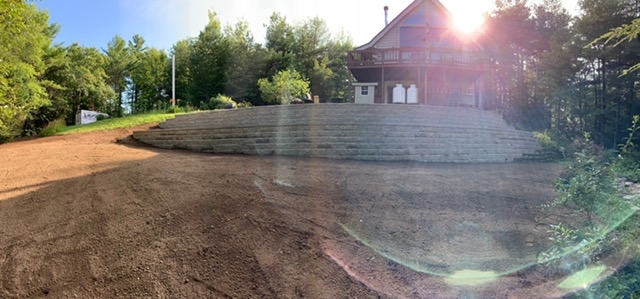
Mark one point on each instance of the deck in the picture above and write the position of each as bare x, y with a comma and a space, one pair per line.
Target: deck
413, 56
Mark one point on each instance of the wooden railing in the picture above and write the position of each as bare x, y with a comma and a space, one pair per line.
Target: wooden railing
420, 56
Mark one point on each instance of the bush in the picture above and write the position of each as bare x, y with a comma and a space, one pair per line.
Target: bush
283, 87
221, 102
174, 109
553, 147
53, 128
100, 117
627, 163
244, 104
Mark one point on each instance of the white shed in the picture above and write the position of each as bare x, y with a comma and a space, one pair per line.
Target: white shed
365, 92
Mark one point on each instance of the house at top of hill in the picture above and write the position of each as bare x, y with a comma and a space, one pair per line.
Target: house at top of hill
419, 58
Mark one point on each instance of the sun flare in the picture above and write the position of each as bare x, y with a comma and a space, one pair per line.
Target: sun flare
468, 16
468, 22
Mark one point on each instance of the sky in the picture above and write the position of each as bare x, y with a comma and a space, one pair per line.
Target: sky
164, 22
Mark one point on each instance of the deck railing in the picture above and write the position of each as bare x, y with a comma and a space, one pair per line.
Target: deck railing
404, 56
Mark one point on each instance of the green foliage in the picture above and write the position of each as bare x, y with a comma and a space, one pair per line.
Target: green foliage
174, 110
54, 128
25, 36
245, 65
591, 184
563, 237
117, 68
545, 140
627, 164
208, 62
624, 284
623, 33
221, 102
283, 87
182, 53
553, 147
85, 80
150, 81
120, 122
585, 184
244, 105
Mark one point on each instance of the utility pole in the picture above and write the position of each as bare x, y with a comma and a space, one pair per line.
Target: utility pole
173, 81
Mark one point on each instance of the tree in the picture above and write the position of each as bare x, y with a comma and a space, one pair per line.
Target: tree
136, 76
609, 99
309, 49
280, 42
25, 36
151, 81
337, 85
209, 61
283, 87
619, 35
86, 81
245, 65
118, 67
182, 53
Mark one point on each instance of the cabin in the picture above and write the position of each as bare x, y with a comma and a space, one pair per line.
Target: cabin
419, 58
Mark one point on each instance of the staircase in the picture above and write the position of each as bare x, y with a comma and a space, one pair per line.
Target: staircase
349, 131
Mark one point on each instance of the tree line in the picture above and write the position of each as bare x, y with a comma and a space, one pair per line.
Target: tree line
547, 69
43, 81
551, 71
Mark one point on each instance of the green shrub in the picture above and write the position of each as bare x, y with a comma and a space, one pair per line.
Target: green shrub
545, 140
627, 164
221, 102
53, 128
552, 146
244, 104
100, 117
174, 109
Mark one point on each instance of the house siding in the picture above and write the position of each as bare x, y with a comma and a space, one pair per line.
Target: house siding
390, 40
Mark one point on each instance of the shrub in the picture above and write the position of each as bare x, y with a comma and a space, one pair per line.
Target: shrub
174, 109
53, 127
101, 117
545, 140
283, 87
244, 104
551, 146
221, 102
627, 163
585, 184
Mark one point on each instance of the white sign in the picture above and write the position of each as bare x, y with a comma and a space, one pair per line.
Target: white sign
88, 116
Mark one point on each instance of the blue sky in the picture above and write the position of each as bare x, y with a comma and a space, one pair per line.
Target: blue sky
164, 22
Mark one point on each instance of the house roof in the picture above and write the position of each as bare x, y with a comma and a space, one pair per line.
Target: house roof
405, 13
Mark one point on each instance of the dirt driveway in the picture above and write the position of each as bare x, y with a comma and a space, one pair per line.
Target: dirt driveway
97, 215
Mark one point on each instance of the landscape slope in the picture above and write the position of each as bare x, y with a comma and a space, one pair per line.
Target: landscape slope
97, 215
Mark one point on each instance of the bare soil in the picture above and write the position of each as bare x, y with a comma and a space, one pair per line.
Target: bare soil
98, 215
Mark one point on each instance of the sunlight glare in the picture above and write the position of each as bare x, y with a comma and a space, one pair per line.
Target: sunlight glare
468, 21
468, 16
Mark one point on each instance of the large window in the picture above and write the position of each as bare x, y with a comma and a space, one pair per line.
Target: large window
412, 36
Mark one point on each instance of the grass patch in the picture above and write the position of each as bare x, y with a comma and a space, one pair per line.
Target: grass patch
119, 123
53, 128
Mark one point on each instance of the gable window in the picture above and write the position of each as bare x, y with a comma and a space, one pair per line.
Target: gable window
413, 36
364, 90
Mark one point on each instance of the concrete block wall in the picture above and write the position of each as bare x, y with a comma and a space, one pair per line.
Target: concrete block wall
349, 131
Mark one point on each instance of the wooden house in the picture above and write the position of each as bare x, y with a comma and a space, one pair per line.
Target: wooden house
420, 52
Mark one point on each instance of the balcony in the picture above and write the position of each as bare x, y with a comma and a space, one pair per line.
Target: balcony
412, 56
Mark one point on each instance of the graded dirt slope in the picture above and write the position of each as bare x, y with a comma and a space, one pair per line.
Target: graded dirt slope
97, 215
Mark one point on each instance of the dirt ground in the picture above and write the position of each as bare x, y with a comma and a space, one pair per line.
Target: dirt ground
97, 215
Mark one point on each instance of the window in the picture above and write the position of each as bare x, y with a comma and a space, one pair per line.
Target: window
364, 90
412, 36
